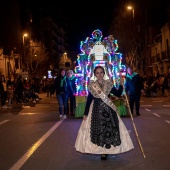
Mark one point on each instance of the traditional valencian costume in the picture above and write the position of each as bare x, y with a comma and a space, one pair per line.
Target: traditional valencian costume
103, 132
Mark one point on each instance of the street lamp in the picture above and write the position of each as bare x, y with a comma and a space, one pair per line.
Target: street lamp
129, 7
133, 10
65, 55
24, 35
134, 34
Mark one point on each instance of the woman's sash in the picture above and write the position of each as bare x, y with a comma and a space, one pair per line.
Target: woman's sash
104, 97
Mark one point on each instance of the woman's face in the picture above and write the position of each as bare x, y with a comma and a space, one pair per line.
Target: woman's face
63, 73
99, 73
129, 71
69, 74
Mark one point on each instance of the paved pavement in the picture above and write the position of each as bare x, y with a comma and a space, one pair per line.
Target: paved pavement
30, 107
58, 151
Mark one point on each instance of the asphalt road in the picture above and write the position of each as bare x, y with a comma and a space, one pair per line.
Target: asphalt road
34, 138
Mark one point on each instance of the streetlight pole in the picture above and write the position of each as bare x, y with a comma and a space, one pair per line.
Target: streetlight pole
24, 35
133, 10
133, 14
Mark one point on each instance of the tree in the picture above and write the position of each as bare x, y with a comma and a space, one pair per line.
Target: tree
35, 55
127, 29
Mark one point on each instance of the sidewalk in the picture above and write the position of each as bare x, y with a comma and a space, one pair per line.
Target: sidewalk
30, 106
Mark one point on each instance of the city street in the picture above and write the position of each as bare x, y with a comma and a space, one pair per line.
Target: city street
34, 138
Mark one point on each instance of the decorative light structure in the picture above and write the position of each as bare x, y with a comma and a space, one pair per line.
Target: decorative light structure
95, 51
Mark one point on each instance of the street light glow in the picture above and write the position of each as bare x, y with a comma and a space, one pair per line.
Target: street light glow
23, 41
25, 35
131, 8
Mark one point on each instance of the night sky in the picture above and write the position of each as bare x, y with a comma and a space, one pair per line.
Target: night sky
82, 18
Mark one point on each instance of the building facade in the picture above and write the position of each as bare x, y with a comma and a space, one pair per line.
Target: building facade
10, 65
160, 52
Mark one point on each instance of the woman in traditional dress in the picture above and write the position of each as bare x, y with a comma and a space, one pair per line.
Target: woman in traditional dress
102, 131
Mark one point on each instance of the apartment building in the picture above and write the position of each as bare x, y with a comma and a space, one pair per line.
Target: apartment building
160, 52
10, 66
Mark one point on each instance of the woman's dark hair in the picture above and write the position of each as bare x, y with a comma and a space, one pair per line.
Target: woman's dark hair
97, 68
61, 70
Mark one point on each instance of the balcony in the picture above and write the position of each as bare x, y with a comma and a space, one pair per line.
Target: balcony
165, 56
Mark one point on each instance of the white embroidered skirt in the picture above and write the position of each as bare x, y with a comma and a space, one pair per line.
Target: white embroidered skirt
83, 142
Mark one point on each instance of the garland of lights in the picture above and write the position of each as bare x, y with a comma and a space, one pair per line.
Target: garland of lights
86, 61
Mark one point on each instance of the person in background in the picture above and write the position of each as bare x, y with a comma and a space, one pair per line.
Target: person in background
133, 87
48, 87
9, 82
165, 85
19, 88
9, 95
102, 131
62, 87
168, 76
52, 88
146, 89
3, 92
72, 91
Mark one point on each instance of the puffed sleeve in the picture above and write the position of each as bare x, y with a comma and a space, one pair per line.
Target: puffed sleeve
117, 92
88, 103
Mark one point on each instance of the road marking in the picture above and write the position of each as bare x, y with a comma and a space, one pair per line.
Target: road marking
42, 106
166, 105
146, 105
27, 155
156, 114
26, 106
167, 121
3, 122
27, 113
157, 101
148, 110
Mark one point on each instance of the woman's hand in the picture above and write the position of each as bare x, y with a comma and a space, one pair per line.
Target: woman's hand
84, 117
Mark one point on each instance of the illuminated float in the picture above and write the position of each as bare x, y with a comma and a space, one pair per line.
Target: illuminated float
96, 50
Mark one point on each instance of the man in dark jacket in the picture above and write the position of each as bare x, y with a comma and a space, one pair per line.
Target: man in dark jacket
19, 89
2, 93
62, 87
72, 92
133, 87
